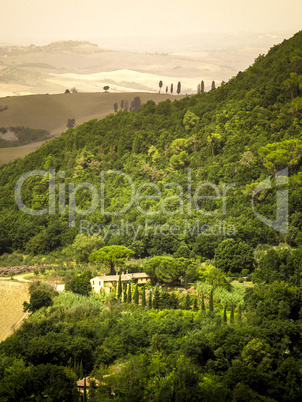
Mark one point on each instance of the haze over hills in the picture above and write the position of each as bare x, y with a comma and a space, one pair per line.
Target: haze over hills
54, 67
205, 41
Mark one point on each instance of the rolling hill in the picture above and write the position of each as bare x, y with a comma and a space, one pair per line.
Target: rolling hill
54, 67
60, 65
51, 112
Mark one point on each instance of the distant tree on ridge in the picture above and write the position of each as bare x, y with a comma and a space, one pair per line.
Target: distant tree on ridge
70, 123
160, 84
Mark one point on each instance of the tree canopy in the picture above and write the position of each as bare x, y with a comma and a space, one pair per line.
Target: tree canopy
38, 299
113, 256
233, 257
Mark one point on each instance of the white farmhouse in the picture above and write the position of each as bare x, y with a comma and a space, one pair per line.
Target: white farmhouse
100, 282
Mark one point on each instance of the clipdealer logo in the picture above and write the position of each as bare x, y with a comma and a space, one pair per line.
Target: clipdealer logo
280, 224
187, 201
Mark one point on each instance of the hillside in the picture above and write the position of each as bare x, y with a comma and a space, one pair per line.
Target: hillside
51, 113
216, 134
198, 192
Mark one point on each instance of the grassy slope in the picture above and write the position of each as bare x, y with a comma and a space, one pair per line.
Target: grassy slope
51, 112
12, 296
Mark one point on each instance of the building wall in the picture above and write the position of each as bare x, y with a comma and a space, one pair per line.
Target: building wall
60, 288
97, 284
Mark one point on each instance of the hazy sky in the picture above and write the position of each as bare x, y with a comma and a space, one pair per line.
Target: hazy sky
43, 21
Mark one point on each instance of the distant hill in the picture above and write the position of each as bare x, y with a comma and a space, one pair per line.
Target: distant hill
53, 68
51, 113
60, 65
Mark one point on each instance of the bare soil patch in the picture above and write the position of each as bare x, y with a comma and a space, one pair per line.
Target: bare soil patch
12, 296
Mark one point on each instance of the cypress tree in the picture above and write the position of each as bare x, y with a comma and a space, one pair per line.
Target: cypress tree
239, 313
136, 103
160, 84
178, 87
125, 292
85, 390
119, 287
136, 145
225, 314
136, 295
113, 291
202, 304
211, 302
188, 302
120, 148
81, 369
232, 315
156, 299
202, 87
195, 307
144, 297
129, 298
165, 300
150, 300
171, 89
75, 367
174, 301
213, 85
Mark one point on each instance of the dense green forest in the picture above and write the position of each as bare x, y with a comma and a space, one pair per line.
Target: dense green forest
218, 135
192, 168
